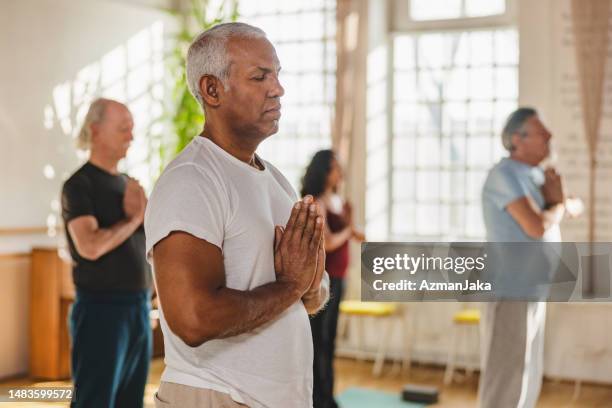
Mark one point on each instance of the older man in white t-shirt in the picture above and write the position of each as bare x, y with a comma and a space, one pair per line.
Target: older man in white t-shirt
235, 286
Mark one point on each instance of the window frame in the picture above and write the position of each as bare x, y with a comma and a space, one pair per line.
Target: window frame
402, 24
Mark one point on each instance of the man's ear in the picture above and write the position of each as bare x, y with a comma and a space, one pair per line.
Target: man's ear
94, 129
516, 140
210, 88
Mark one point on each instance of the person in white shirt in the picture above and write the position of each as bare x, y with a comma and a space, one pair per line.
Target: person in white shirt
238, 261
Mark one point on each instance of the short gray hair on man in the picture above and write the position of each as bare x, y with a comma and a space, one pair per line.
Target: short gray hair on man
95, 114
207, 54
516, 124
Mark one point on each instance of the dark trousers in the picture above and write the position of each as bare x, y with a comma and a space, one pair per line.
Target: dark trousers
111, 349
324, 327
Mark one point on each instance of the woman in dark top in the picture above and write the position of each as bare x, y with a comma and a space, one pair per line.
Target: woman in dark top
322, 179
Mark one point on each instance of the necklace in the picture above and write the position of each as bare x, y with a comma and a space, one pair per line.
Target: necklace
253, 163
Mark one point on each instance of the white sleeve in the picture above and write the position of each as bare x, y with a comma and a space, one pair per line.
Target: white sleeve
186, 199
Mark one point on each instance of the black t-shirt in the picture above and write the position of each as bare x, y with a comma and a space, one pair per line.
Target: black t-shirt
93, 191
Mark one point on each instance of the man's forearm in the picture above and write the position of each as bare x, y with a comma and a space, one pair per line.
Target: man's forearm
230, 312
105, 240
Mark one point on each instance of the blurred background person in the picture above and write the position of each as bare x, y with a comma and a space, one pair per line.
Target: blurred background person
522, 202
322, 180
103, 211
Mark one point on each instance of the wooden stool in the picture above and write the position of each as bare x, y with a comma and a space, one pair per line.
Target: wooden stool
465, 323
386, 312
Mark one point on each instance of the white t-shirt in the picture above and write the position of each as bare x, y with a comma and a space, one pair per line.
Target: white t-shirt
214, 196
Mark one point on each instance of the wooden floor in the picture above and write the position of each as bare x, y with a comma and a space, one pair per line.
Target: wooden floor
351, 373
463, 392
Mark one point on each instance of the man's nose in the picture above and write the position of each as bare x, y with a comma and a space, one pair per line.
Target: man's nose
277, 89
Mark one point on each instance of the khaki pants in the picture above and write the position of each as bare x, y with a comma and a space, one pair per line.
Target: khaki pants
171, 395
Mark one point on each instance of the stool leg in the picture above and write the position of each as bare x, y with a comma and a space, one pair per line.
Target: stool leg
576, 394
473, 365
450, 361
396, 368
382, 347
406, 323
360, 334
342, 326
469, 366
403, 366
478, 343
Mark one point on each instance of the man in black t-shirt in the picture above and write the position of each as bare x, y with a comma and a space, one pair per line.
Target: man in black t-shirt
103, 211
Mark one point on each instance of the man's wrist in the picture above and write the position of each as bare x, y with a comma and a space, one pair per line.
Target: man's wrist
312, 294
290, 288
552, 204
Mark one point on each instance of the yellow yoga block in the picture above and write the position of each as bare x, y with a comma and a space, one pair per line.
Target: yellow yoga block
356, 307
468, 316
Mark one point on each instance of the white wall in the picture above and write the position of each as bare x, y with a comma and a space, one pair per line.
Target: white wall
548, 81
56, 55
49, 49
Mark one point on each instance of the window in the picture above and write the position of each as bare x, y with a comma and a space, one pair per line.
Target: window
451, 92
303, 33
421, 10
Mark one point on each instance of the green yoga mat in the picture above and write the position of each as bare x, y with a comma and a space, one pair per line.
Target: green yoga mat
365, 398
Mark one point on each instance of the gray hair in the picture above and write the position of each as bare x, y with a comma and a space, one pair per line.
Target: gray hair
95, 114
207, 54
516, 124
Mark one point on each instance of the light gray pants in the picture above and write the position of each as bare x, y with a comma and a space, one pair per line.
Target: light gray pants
512, 354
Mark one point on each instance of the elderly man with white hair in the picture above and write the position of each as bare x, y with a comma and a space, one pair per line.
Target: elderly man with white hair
522, 202
103, 211
238, 261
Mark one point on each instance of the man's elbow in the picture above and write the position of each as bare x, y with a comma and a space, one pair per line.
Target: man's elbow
193, 338
535, 231
89, 252
193, 331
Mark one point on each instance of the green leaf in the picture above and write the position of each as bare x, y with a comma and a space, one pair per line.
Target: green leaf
182, 112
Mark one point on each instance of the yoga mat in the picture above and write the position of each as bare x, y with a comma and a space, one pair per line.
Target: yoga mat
366, 398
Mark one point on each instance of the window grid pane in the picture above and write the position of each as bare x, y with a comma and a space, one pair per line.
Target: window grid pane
304, 36
423, 10
452, 92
